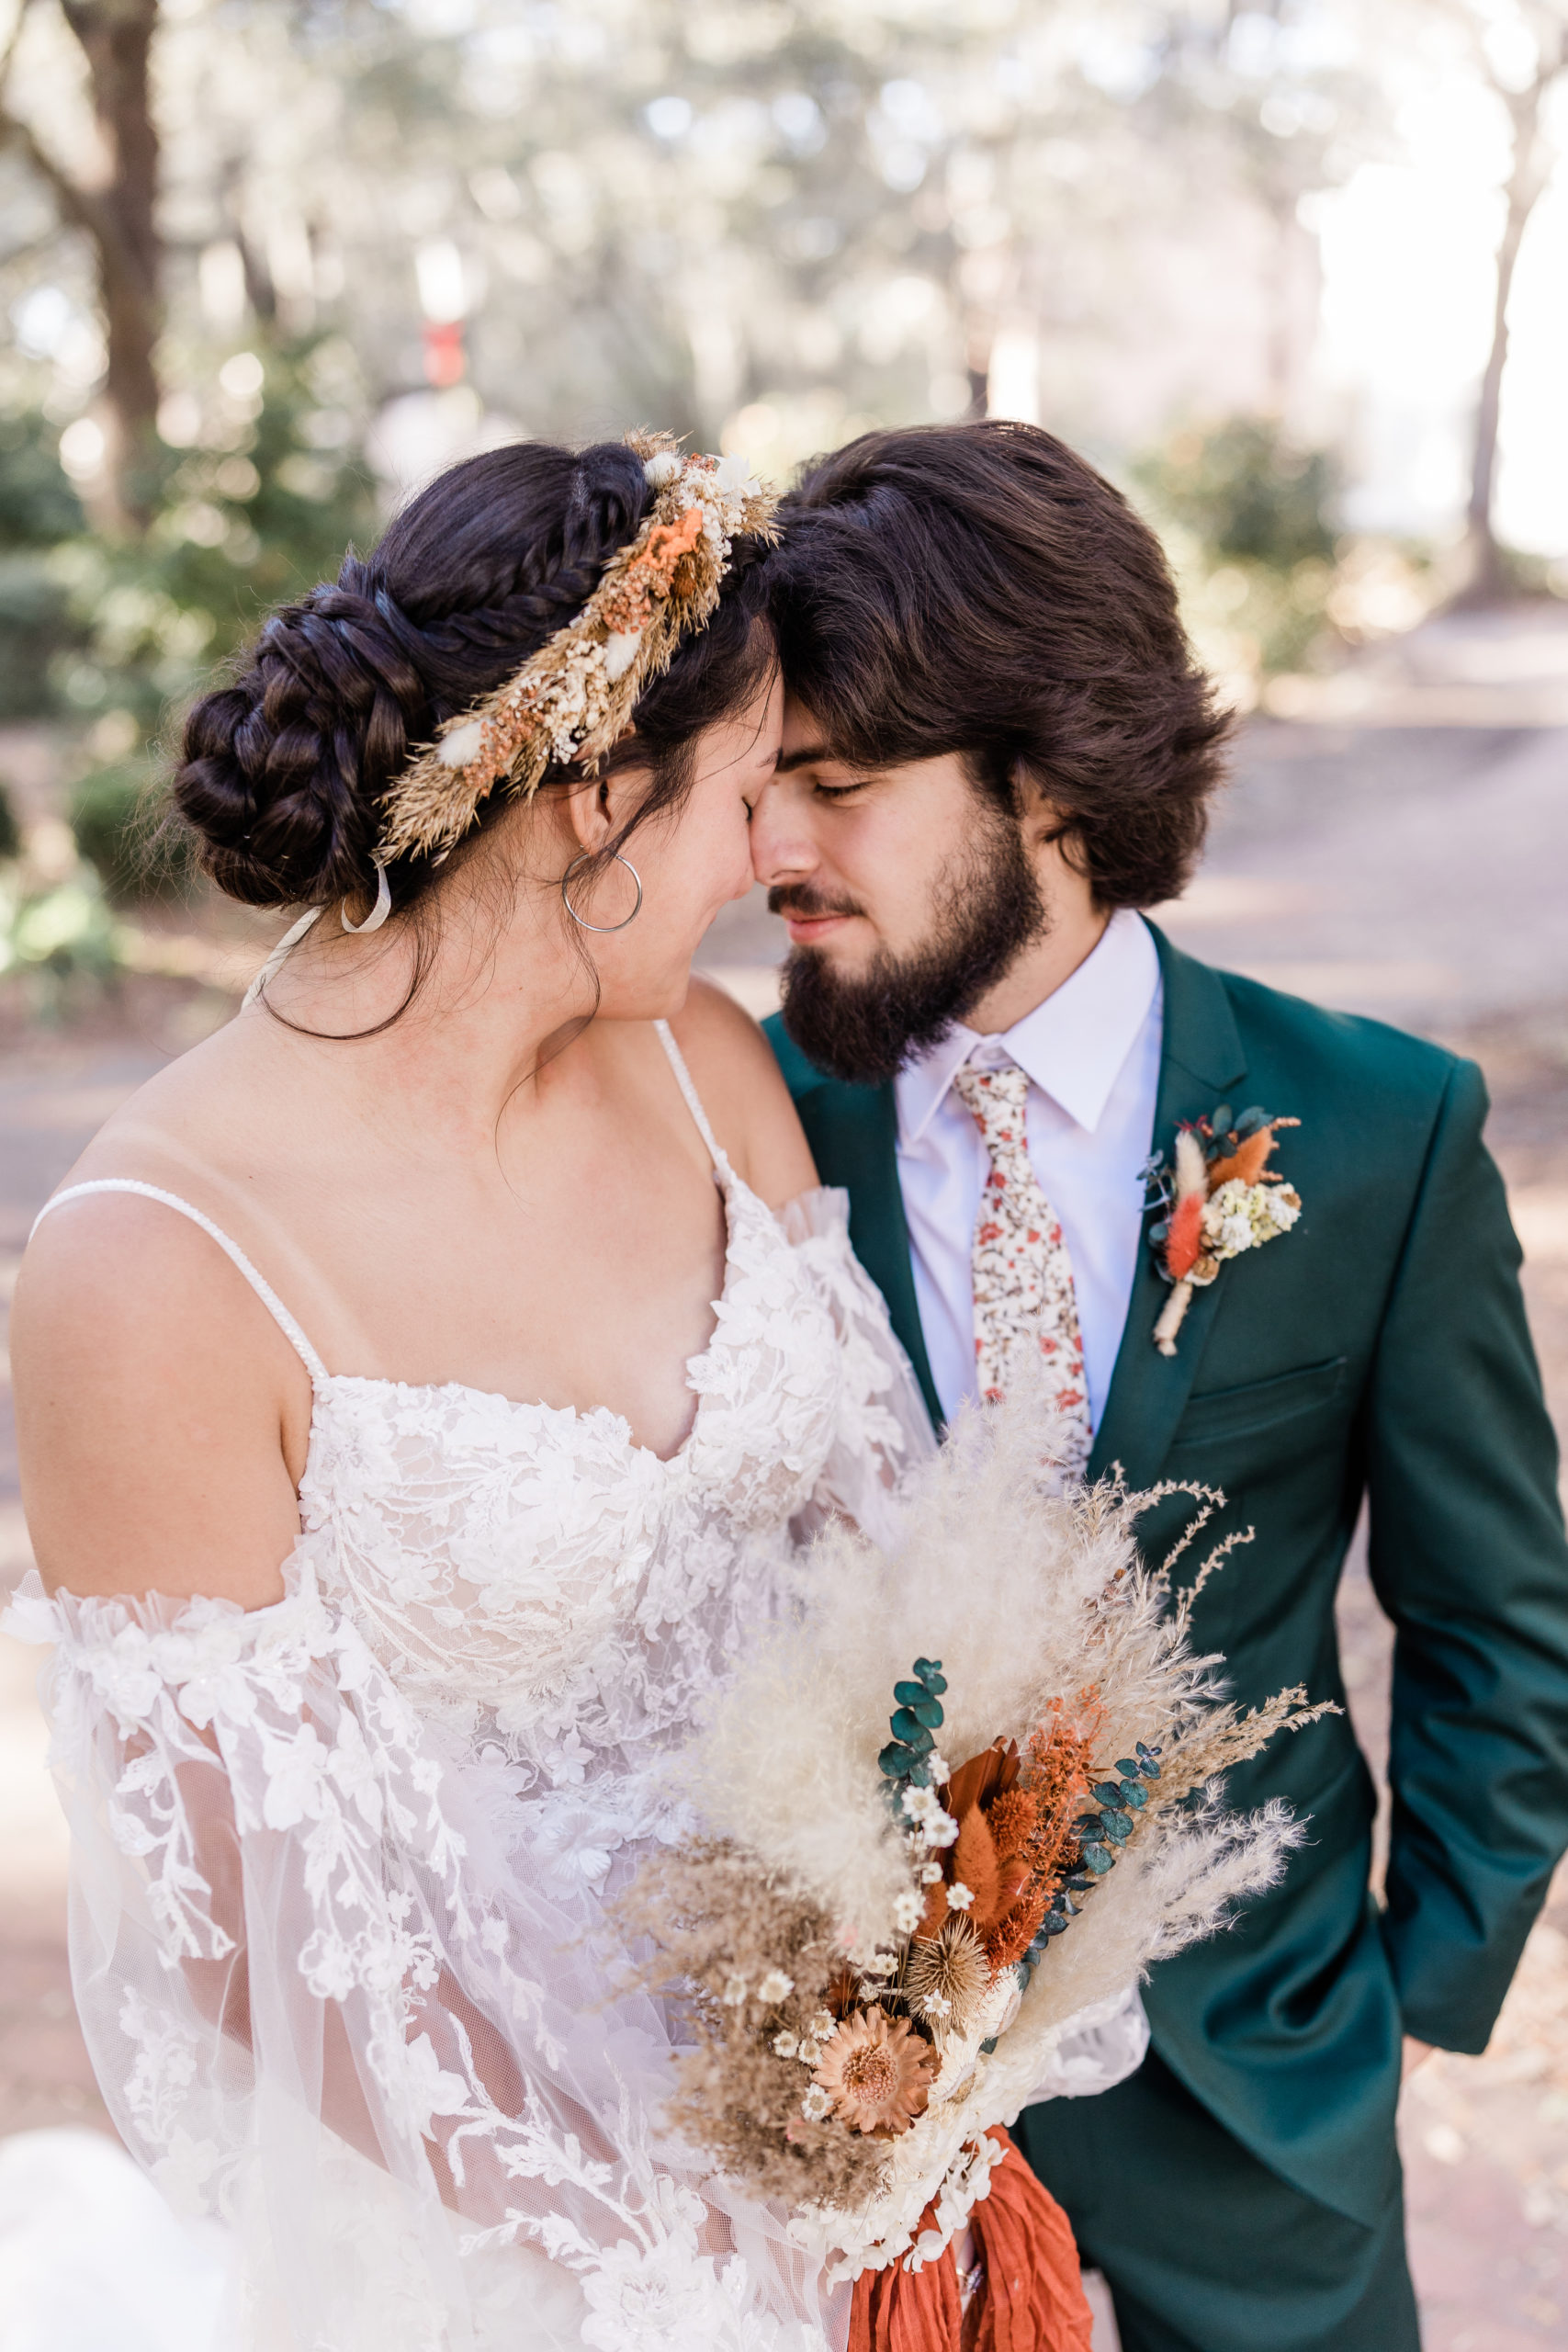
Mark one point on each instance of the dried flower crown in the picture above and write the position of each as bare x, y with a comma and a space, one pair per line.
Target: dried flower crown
572, 698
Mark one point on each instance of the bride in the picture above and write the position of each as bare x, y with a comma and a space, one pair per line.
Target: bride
416, 1383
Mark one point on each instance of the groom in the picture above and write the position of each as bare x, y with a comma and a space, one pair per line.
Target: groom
997, 751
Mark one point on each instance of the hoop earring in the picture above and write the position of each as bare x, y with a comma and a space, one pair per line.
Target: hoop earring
571, 911
379, 913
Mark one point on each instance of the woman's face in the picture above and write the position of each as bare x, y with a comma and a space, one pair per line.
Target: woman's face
691, 863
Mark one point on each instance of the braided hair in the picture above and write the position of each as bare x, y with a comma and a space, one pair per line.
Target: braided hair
283, 770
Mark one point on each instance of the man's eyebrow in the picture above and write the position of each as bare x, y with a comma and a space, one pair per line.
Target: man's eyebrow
811, 755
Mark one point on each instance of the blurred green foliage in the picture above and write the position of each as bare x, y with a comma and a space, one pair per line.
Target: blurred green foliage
125, 832
38, 509
265, 489
257, 500
1249, 521
1249, 493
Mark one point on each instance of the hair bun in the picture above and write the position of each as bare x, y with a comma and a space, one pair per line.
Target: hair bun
276, 767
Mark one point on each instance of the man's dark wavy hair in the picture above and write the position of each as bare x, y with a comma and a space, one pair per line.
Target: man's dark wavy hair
978, 589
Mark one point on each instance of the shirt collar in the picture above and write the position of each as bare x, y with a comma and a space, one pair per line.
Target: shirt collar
1072, 1046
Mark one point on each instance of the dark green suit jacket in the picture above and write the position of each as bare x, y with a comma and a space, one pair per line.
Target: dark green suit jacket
1377, 1352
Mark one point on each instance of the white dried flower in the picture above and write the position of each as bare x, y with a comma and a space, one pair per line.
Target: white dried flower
734, 475
734, 1992
1284, 1206
456, 749
1235, 1235
941, 1828
815, 2104
959, 1896
907, 1912
824, 2025
937, 2004
930, 1873
785, 2046
620, 651
662, 467
776, 1986
938, 1767
881, 1964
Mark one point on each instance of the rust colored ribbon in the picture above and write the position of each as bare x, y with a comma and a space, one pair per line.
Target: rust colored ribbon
1031, 2299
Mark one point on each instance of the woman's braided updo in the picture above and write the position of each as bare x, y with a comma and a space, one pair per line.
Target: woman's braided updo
283, 772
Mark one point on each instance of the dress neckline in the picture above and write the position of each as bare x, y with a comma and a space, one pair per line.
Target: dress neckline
730, 1185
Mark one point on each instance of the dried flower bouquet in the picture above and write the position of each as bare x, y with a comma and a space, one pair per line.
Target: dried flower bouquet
880, 1950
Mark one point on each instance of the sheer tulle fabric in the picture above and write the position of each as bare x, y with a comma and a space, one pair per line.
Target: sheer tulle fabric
341, 1865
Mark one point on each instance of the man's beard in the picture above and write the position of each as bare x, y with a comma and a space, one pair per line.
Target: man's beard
865, 1027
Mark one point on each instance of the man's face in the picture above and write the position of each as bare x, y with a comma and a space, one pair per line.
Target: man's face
907, 892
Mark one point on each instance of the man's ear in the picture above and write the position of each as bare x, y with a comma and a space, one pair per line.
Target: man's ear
1046, 824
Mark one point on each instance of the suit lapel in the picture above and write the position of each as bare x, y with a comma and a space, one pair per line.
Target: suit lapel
853, 1132
1201, 1058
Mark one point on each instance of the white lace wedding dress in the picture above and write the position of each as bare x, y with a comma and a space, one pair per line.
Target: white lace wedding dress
339, 1930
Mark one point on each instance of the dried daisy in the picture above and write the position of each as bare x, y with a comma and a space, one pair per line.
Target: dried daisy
876, 2072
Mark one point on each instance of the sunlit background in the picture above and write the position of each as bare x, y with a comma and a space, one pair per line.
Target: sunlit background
1295, 276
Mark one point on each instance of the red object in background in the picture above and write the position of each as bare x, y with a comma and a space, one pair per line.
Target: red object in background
445, 361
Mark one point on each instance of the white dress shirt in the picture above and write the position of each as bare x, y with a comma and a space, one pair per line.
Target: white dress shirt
1092, 1054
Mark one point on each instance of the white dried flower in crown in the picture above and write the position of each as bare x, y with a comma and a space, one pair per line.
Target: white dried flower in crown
620, 651
734, 1992
776, 1986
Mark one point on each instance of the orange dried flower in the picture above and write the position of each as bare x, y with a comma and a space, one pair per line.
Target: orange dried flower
1184, 1241
1011, 1937
975, 1866
1061, 1765
877, 2072
1011, 1820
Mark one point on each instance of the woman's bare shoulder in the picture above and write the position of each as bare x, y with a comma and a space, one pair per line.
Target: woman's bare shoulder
156, 1403
744, 1092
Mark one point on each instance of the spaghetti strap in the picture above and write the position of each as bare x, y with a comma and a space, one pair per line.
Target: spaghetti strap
693, 1100
264, 1290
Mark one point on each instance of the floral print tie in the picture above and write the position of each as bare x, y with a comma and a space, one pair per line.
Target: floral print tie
1023, 1275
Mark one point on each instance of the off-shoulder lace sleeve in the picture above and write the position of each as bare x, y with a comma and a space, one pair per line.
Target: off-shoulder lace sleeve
323, 2006
882, 1427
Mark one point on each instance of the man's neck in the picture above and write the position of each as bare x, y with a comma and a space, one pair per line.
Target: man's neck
1076, 928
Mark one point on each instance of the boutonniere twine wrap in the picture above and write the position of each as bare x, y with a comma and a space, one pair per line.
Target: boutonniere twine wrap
1223, 1199
575, 696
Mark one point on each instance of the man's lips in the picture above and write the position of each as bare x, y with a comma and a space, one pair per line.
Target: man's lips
808, 923
804, 929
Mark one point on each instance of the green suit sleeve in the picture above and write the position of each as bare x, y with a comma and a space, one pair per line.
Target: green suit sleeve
1468, 1558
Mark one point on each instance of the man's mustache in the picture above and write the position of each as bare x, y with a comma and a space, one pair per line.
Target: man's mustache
806, 905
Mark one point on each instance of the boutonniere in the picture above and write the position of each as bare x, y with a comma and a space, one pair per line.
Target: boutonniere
1221, 1198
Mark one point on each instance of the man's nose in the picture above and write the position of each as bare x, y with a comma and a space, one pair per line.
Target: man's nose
781, 847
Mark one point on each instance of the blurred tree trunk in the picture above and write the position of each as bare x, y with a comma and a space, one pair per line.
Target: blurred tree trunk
113, 204
115, 37
1527, 181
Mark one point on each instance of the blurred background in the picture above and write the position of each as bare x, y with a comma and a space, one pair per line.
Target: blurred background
1295, 276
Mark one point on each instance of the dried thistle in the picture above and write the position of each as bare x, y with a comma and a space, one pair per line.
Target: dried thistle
947, 1976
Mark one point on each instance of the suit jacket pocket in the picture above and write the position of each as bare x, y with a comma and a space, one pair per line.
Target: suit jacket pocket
1259, 1404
